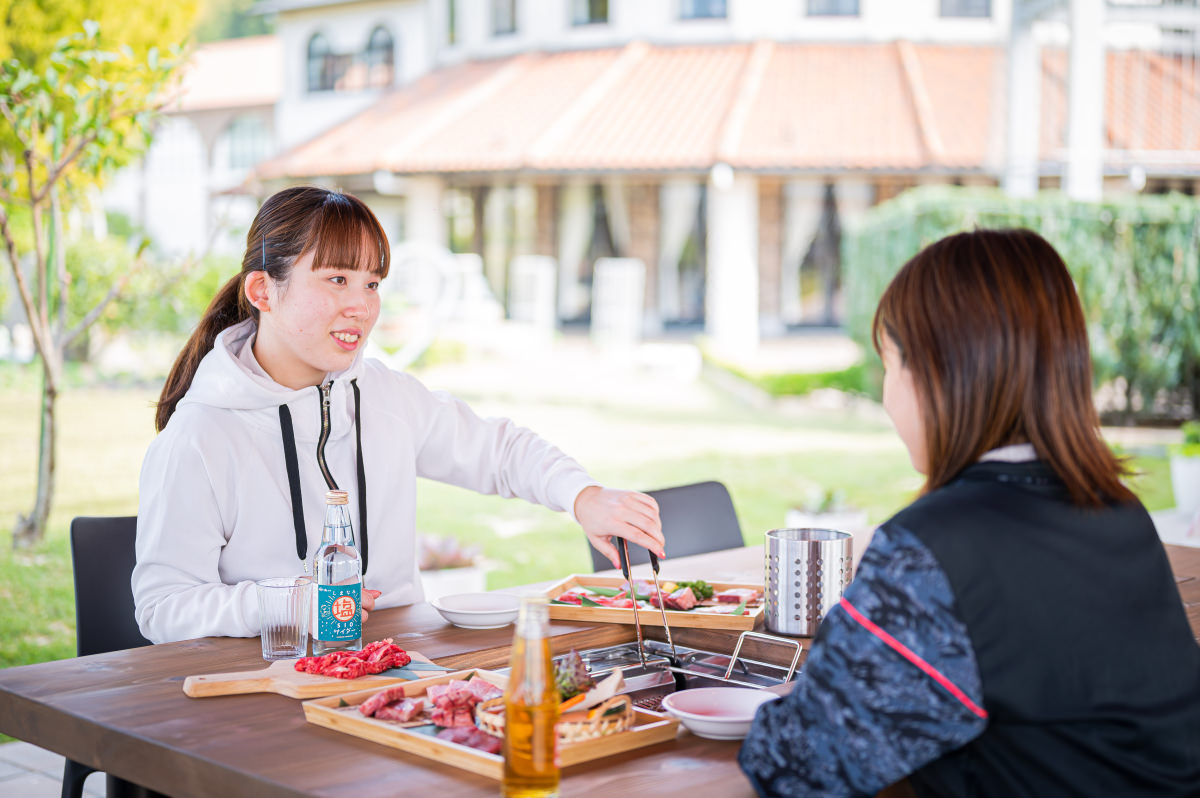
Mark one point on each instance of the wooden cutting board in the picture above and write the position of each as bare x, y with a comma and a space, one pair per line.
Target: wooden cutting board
283, 678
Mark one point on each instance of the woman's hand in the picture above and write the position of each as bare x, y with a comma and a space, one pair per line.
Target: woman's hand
603, 513
368, 601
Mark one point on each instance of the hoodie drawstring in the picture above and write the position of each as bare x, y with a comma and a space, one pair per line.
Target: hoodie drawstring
293, 472
362, 477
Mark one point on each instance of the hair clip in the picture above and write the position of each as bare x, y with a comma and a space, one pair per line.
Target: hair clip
264, 253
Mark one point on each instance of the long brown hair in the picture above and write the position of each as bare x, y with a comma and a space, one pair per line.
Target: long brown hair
991, 328
338, 227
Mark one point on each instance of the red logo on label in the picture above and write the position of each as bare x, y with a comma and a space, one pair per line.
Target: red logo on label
344, 608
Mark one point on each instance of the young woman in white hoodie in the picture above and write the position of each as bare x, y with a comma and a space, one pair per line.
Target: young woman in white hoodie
271, 403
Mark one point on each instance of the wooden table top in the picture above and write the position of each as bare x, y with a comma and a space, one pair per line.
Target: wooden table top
125, 712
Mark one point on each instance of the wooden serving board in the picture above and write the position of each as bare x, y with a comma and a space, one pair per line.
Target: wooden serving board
283, 678
651, 615
340, 713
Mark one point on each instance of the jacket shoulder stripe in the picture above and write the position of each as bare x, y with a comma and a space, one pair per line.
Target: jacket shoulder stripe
914, 658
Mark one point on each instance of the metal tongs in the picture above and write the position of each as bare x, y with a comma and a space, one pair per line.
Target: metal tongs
623, 552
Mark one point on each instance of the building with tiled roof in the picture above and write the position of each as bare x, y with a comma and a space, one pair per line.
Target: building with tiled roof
722, 143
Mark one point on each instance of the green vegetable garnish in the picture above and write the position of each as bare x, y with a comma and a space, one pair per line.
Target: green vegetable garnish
584, 601
700, 588
602, 591
741, 609
571, 676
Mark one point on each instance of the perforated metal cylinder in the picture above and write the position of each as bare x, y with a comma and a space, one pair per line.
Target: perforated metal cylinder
806, 572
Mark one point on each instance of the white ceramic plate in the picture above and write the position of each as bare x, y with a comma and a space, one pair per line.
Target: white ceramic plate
718, 713
478, 610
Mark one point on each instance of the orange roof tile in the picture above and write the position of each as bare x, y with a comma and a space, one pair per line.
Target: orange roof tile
767, 106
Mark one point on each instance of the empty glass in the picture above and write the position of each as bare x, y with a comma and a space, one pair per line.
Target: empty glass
284, 605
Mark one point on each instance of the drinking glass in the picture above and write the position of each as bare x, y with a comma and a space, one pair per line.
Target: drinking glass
285, 606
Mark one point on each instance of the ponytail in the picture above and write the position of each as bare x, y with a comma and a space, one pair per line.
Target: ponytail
228, 307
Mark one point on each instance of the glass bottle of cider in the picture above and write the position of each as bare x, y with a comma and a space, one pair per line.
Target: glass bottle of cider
337, 568
531, 708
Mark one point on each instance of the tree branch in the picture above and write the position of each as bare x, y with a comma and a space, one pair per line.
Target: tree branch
94, 313
40, 265
41, 336
140, 264
60, 264
75, 152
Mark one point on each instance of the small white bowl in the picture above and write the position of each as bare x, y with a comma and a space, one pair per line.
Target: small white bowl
718, 713
478, 610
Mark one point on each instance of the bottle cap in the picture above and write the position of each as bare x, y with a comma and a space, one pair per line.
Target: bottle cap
337, 497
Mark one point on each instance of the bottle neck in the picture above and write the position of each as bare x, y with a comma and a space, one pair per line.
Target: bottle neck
337, 527
533, 621
532, 673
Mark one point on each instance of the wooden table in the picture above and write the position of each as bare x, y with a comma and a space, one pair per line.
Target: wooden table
125, 712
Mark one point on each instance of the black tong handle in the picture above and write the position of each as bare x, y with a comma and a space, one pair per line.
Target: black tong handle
623, 553
653, 561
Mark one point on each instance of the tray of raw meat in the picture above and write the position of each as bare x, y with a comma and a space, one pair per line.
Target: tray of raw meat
435, 718
695, 603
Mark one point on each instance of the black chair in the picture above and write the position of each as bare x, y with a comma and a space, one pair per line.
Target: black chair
696, 519
102, 555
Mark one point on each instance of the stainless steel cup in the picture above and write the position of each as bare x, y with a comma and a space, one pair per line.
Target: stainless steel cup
284, 605
806, 572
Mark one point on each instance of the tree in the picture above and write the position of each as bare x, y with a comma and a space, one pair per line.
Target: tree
67, 123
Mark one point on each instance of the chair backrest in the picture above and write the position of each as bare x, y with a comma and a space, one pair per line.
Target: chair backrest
696, 518
102, 553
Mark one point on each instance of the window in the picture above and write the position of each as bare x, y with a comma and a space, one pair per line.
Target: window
702, 9
318, 58
380, 59
966, 8
833, 8
244, 143
504, 17
589, 12
371, 68
451, 22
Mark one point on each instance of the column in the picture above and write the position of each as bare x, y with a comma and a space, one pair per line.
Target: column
731, 295
1085, 101
1024, 108
424, 219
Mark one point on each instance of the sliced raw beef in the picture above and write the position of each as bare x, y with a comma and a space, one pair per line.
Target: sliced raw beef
381, 700
402, 711
473, 737
374, 658
681, 599
736, 595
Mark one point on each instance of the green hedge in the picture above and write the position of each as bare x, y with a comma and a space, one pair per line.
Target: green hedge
1135, 260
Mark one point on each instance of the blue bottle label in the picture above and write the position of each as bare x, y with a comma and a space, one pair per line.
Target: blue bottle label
339, 612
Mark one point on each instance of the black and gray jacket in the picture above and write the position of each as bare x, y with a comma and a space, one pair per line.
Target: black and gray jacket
997, 641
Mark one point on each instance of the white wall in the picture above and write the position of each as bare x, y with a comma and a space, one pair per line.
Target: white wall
301, 114
546, 24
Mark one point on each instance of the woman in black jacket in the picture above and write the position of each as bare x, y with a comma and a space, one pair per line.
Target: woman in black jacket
1016, 631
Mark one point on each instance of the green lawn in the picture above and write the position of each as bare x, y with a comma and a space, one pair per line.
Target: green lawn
767, 460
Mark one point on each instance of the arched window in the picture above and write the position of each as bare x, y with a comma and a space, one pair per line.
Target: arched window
319, 73
381, 58
243, 144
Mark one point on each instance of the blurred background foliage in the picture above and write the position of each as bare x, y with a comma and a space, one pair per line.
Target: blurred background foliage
1135, 260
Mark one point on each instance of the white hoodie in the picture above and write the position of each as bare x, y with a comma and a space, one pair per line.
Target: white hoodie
215, 509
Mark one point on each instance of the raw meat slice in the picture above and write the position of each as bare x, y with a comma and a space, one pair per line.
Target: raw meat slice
381, 700
736, 595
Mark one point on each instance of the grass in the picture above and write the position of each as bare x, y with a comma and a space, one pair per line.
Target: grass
860, 378
768, 461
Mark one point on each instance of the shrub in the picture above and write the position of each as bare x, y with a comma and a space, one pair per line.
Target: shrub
1135, 261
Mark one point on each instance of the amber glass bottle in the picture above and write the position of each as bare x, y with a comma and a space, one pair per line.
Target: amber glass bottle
531, 708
